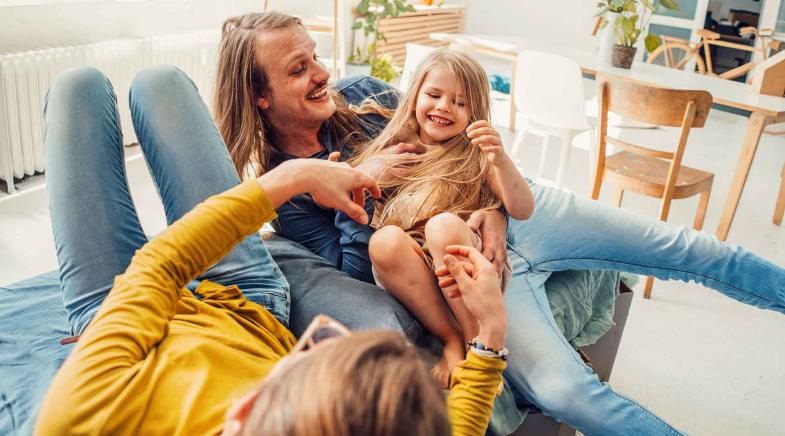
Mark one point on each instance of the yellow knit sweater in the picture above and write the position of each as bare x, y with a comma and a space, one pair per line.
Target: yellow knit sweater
155, 360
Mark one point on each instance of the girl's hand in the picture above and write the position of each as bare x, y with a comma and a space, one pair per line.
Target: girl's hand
483, 135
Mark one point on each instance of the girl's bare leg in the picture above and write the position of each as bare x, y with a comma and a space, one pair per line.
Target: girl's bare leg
400, 268
449, 229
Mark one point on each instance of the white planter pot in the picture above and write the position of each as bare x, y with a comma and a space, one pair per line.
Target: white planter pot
608, 39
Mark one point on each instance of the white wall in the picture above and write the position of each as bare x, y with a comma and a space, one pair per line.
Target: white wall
38, 26
568, 22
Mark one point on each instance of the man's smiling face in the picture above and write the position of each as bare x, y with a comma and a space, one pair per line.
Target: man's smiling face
297, 81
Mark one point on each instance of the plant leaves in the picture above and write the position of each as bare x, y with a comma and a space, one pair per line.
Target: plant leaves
362, 8
670, 4
357, 24
651, 42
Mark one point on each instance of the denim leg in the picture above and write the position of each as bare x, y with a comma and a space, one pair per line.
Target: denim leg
189, 162
94, 222
545, 368
567, 232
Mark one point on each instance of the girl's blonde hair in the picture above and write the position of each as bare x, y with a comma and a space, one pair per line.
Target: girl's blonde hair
454, 176
369, 383
241, 79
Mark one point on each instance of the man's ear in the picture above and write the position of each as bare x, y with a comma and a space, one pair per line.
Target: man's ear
263, 102
238, 413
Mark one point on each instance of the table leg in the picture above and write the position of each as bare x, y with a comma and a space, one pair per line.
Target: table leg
513, 108
755, 127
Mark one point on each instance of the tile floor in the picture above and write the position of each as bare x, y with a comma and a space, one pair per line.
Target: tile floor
703, 362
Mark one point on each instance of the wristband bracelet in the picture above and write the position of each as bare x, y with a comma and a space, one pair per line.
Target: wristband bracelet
484, 350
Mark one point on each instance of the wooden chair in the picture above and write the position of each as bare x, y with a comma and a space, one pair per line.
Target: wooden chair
779, 208
643, 170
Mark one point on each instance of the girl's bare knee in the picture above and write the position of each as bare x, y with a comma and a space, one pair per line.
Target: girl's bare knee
386, 244
446, 229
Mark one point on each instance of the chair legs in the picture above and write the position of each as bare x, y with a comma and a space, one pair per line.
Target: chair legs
779, 209
647, 287
564, 160
520, 138
702, 206
618, 195
546, 142
700, 216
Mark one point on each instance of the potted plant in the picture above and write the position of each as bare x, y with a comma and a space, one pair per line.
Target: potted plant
629, 18
369, 12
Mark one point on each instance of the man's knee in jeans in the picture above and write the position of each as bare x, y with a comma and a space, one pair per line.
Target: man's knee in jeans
158, 80
79, 81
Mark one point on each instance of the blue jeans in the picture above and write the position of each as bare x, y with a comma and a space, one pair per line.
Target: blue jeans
567, 232
95, 225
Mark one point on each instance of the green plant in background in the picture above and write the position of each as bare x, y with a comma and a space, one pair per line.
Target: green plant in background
370, 12
382, 67
632, 18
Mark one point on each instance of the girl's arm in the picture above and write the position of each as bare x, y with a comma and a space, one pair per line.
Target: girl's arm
509, 183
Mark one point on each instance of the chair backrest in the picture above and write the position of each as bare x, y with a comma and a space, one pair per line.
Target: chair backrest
415, 53
651, 104
549, 90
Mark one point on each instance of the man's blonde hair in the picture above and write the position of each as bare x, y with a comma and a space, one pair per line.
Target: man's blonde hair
369, 383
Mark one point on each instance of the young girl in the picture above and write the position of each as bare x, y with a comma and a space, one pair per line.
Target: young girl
422, 211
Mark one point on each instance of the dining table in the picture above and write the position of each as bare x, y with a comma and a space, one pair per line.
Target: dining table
740, 98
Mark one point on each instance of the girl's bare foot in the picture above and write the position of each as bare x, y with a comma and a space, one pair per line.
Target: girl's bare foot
453, 353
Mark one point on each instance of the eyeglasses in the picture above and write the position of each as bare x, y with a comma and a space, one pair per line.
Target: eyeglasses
321, 329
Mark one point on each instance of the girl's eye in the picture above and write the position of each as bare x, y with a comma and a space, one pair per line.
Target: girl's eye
299, 69
461, 104
433, 95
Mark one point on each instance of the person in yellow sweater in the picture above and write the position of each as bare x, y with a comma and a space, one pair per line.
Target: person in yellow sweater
158, 355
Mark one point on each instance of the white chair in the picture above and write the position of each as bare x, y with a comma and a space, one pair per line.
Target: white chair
549, 95
415, 53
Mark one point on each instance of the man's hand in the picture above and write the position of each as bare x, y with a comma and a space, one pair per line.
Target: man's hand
389, 163
492, 227
329, 183
479, 288
483, 135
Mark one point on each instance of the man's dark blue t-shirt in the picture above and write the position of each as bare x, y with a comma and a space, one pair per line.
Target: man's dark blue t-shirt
329, 233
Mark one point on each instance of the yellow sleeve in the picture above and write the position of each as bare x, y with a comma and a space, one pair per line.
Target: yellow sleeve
134, 316
475, 383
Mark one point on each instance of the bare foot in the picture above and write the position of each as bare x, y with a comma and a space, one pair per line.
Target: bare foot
452, 354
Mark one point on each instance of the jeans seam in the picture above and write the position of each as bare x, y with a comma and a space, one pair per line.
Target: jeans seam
744, 291
515, 250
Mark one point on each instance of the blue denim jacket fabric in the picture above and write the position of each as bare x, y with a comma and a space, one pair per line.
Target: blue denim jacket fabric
326, 232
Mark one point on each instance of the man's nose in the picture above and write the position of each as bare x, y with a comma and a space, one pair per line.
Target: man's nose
322, 74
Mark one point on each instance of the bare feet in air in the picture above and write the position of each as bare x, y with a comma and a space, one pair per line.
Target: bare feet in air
453, 353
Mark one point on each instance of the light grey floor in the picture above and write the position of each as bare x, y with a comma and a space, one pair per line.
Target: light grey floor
701, 361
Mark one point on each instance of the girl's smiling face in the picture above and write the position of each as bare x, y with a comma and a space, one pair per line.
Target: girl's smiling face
441, 109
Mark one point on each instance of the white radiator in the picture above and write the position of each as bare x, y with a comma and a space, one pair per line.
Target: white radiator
25, 77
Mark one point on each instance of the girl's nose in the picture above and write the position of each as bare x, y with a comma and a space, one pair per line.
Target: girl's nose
443, 105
